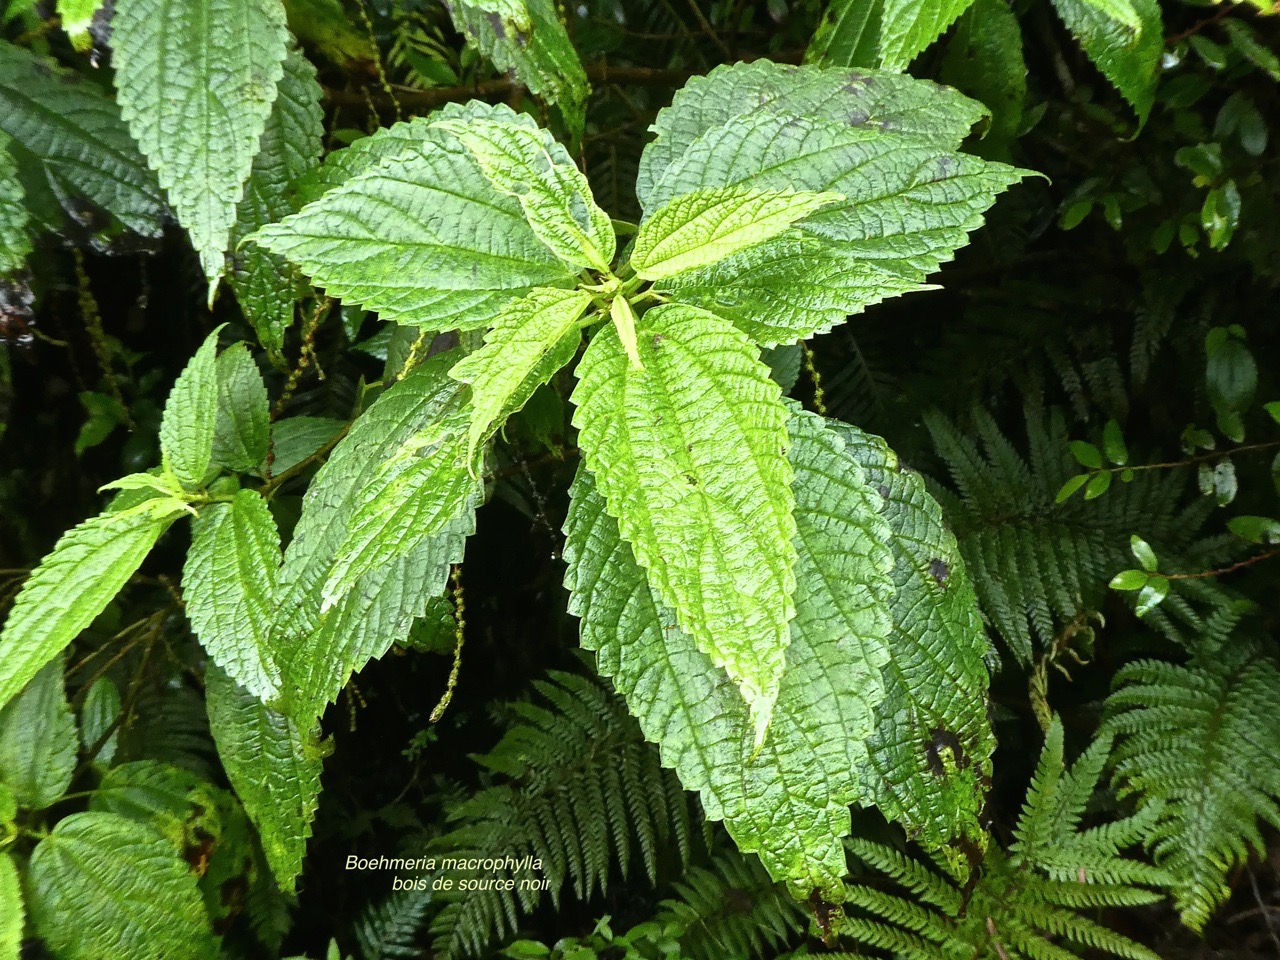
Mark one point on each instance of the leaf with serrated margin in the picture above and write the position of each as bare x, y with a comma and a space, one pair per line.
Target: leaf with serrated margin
858, 99
190, 417
15, 241
1128, 55
524, 161
295, 439
102, 885
228, 583
266, 286
274, 764
789, 801
74, 583
422, 237
704, 227
931, 755
241, 428
12, 912
317, 649
690, 453
38, 740
531, 339
195, 81
849, 34
909, 205
908, 27
527, 38
74, 154
984, 59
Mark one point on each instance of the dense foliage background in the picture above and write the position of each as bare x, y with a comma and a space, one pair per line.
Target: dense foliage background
1113, 321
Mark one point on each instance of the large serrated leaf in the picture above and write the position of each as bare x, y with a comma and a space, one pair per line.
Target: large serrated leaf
689, 452
849, 35
15, 241
523, 161
420, 235
789, 800
910, 26
528, 39
1128, 55
857, 99
930, 759
12, 912
228, 583
75, 156
984, 59
704, 227
531, 339
318, 649
242, 426
274, 764
195, 81
104, 886
38, 740
266, 286
190, 417
74, 583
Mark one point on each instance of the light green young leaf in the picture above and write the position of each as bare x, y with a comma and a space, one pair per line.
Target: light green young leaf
704, 227
527, 38
71, 147
318, 649
12, 912
164, 484
420, 234
76, 17
274, 764
104, 886
265, 285
15, 241
196, 80
242, 426
190, 417
523, 161
38, 740
229, 583
931, 753
74, 583
690, 455
623, 316
789, 800
531, 339
1128, 54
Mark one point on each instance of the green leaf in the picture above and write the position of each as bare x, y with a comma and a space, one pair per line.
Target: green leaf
73, 151
1151, 595
701, 228
849, 35
15, 241
228, 583
181, 806
1143, 553
1255, 529
196, 80
910, 26
421, 236
273, 762
985, 60
1114, 445
1273, 410
101, 885
623, 316
38, 740
76, 17
12, 912
190, 417
317, 649
74, 583
98, 713
690, 455
1130, 580
531, 339
1245, 40
1098, 484
241, 428
1128, 54
930, 757
1069, 488
524, 161
1086, 454
265, 285
787, 800
295, 439
528, 39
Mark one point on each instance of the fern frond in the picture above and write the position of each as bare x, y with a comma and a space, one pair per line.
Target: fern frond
386, 929
1030, 902
1197, 744
583, 793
